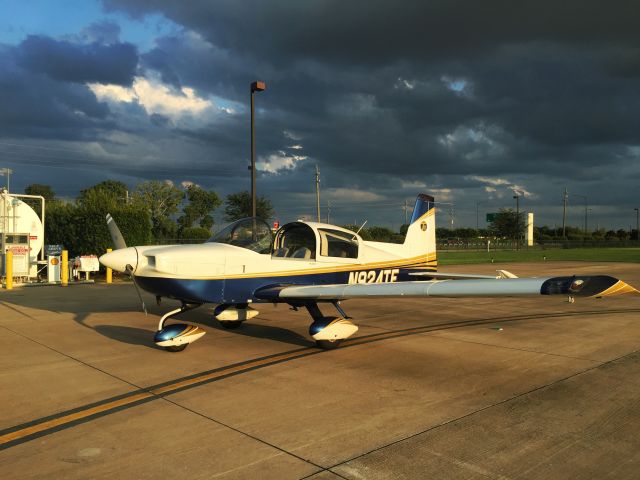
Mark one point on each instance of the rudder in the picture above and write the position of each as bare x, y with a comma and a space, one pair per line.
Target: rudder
420, 240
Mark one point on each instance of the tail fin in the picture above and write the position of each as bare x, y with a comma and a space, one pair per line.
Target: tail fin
421, 234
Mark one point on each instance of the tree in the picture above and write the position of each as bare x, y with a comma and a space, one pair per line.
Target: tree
82, 229
201, 204
113, 190
42, 190
507, 224
161, 199
238, 205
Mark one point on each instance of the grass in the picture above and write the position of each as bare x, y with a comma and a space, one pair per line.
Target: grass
631, 255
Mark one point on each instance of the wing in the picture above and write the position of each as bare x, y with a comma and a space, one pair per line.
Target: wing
582, 286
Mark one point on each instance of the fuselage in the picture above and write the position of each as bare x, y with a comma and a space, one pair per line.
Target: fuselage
302, 253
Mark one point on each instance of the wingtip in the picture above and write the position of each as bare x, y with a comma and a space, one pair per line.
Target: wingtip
618, 288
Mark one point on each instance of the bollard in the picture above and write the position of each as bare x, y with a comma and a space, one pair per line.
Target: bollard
109, 271
64, 274
8, 259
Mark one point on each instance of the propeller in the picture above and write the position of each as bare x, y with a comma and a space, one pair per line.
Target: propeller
135, 284
118, 242
114, 231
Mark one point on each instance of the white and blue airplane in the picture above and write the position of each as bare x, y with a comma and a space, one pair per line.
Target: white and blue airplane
308, 263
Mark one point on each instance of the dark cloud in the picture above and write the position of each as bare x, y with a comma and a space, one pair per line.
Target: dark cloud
378, 32
105, 32
79, 63
37, 106
388, 99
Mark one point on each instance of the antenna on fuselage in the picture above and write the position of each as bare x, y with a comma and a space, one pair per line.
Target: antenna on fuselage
361, 227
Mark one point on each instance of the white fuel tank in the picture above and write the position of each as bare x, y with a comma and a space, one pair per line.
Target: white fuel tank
18, 217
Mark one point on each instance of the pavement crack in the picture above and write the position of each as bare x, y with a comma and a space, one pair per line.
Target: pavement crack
241, 432
485, 408
441, 336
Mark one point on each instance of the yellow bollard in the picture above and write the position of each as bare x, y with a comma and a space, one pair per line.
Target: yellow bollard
8, 259
64, 274
109, 271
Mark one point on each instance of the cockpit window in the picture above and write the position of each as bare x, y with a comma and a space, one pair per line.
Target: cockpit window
335, 243
295, 240
251, 233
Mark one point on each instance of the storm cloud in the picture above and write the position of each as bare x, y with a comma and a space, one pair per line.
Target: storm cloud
470, 100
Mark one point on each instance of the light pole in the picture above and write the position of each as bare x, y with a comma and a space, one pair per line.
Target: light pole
517, 197
637, 225
255, 87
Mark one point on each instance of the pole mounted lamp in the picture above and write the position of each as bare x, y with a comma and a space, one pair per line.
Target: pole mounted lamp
256, 86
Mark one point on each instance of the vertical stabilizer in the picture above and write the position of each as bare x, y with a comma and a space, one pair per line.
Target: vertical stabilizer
421, 234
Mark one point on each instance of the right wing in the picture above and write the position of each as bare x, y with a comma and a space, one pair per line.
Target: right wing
582, 286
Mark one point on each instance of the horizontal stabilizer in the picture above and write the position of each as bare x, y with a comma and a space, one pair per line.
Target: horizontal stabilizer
463, 276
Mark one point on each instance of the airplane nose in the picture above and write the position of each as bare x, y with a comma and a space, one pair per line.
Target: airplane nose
119, 259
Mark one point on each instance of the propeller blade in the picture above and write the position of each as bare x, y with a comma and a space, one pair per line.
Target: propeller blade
114, 231
129, 270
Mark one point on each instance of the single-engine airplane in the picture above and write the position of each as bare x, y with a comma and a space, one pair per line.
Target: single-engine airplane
308, 263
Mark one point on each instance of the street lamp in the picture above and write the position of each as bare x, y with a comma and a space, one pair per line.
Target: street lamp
517, 197
255, 87
637, 225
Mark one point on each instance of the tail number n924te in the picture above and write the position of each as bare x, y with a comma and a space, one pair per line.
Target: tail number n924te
374, 276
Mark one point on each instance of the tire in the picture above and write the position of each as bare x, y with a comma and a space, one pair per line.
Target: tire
176, 348
230, 325
328, 344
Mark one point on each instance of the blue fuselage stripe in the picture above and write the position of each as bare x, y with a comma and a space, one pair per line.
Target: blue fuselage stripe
239, 290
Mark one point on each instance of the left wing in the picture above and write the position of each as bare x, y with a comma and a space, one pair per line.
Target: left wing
582, 286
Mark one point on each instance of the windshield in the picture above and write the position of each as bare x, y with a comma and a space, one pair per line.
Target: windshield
251, 233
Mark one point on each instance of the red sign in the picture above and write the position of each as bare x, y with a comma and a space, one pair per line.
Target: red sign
33, 237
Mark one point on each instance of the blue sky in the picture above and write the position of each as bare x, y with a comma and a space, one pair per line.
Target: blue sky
45, 17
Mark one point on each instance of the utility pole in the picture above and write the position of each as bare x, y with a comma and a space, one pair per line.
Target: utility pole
564, 213
637, 224
7, 172
517, 197
318, 192
478, 213
255, 87
406, 212
328, 210
586, 211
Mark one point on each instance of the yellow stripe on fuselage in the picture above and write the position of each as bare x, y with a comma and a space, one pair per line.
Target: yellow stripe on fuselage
413, 262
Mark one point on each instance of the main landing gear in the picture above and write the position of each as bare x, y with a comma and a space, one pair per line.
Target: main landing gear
176, 337
329, 332
231, 317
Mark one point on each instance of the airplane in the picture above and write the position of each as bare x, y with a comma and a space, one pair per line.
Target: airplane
305, 264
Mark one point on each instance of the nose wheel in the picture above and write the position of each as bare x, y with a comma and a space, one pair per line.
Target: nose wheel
176, 337
328, 344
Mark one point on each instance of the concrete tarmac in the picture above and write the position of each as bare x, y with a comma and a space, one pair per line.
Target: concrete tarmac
527, 388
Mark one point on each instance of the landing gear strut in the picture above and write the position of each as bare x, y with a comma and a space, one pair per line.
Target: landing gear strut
176, 337
329, 332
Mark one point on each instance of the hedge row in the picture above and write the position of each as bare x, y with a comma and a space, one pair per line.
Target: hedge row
83, 229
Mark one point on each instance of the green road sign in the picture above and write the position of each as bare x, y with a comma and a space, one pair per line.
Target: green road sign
491, 217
